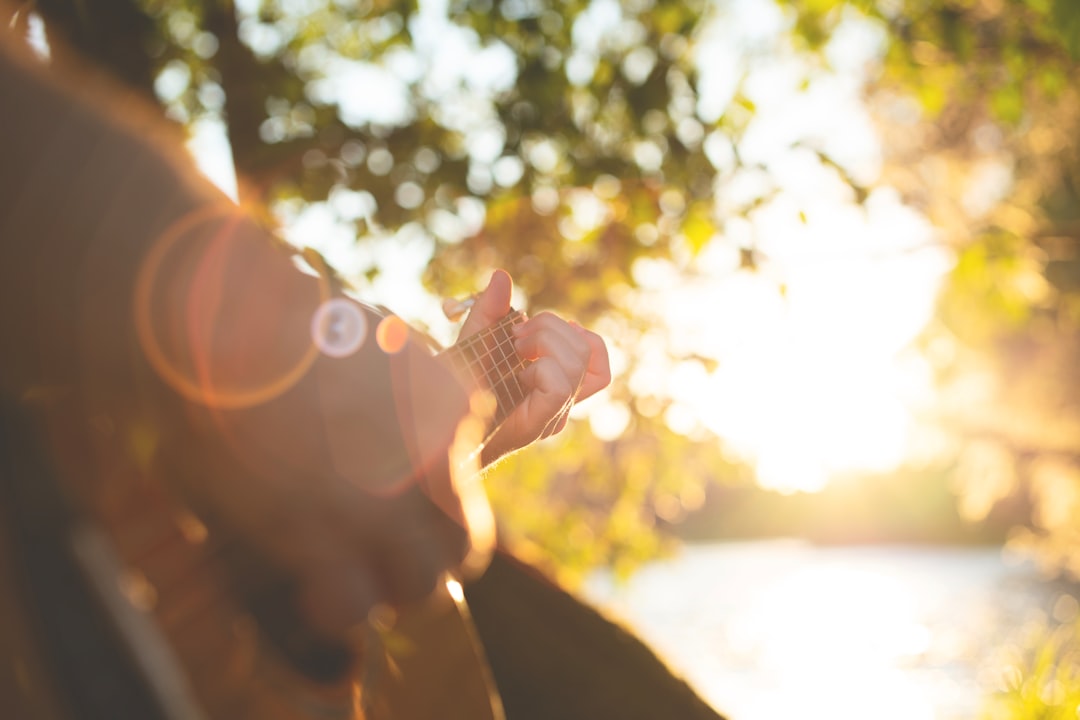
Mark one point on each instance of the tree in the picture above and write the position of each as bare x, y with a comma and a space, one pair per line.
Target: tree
992, 158
573, 143
561, 141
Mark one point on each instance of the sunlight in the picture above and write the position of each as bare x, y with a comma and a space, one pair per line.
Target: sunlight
39, 43
813, 377
851, 622
208, 144
846, 616
785, 629
812, 380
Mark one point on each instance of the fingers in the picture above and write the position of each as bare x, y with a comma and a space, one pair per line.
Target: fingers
554, 378
551, 395
581, 353
568, 363
598, 373
548, 336
491, 304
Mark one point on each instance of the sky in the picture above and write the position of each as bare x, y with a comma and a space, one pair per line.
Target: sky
816, 376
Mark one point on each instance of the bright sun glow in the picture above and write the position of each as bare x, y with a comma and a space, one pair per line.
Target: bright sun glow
809, 383
812, 376
785, 630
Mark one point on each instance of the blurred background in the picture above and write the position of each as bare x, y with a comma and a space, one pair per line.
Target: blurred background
834, 246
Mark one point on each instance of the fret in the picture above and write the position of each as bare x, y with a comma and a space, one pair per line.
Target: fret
489, 358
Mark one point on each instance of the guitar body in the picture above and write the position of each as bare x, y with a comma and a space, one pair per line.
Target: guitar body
138, 606
134, 611
137, 539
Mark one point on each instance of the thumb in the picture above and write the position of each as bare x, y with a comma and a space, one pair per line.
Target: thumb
491, 304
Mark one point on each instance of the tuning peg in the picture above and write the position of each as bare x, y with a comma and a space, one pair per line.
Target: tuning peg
453, 308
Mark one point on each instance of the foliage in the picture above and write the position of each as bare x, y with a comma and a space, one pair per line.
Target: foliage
561, 141
1040, 679
571, 143
537, 106
602, 498
993, 160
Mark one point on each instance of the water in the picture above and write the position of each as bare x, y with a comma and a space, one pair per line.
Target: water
784, 629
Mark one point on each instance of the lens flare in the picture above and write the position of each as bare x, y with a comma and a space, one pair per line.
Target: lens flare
338, 328
392, 334
216, 227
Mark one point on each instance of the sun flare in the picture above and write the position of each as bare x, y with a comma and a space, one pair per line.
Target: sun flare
814, 373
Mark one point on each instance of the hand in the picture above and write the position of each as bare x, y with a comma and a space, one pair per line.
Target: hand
271, 441
348, 482
568, 364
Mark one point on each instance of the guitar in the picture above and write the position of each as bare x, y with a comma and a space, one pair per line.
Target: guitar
144, 609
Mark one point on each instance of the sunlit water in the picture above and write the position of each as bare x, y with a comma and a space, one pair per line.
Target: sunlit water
774, 630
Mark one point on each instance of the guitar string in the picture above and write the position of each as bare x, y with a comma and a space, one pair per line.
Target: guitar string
490, 365
467, 354
505, 367
509, 365
514, 364
516, 393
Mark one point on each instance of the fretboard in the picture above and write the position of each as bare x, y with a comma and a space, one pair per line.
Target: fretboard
489, 358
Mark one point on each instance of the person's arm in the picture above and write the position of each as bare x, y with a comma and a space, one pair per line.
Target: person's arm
128, 281
103, 222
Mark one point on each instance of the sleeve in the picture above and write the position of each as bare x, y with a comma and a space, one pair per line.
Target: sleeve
129, 285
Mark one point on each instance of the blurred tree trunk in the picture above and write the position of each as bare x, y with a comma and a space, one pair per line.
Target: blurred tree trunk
239, 72
115, 34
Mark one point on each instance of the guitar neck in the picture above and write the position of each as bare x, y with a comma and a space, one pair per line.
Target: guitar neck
489, 359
